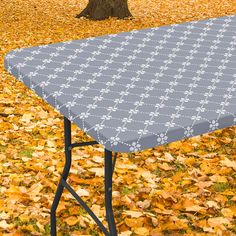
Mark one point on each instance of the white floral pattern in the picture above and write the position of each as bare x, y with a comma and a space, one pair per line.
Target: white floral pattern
139, 89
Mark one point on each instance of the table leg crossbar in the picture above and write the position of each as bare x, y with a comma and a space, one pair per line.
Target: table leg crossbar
109, 169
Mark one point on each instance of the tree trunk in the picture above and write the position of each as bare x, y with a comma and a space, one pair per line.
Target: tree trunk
102, 9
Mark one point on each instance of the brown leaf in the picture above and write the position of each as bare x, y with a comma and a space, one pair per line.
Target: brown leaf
228, 163
217, 221
144, 204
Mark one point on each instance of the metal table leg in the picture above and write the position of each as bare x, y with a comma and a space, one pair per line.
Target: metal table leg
108, 192
65, 173
109, 169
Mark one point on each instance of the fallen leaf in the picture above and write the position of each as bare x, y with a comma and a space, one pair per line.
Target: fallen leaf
165, 166
98, 171
229, 212
212, 204
168, 156
141, 231
195, 208
134, 214
82, 192
5, 225
218, 221
228, 163
126, 233
144, 204
71, 220
98, 159
27, 117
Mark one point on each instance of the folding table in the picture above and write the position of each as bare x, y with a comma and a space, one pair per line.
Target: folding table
135, 90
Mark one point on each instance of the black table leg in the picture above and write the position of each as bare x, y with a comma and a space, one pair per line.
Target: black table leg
109, 169
108, 192
65, 173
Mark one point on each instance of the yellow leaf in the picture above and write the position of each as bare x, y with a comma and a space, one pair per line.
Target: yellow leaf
186, 147
134, 214
165, 166
195, 208
27, 117
170, 225
42, 114
201, 223
134, 223
167, 195
24, 217
36, 188
28, 227
220, 198
72, 220
9, 110
218, 178
163, 211
228, 212
125, 233
228, 193
175, 145
141, 231
41, 227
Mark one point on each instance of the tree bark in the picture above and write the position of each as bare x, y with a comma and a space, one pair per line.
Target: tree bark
102, 9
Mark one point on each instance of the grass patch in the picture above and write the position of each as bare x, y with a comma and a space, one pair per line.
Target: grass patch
167, 232
33, 222
157, 172
220, 187
3, 148
182, 231
234, 175
126, 190
130, 155
183, 216
18, 222
94, 233
47, 228
27, 152
231, 203
234, 229
179, 167
81, 211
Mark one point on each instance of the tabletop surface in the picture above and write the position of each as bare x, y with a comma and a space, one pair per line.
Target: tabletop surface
139, 89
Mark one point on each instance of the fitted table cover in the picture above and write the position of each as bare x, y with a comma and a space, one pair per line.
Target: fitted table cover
139, 89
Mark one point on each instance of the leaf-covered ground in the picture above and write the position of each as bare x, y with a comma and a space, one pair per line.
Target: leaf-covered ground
184, 188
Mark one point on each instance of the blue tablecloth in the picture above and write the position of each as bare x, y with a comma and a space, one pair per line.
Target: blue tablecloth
139, 89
